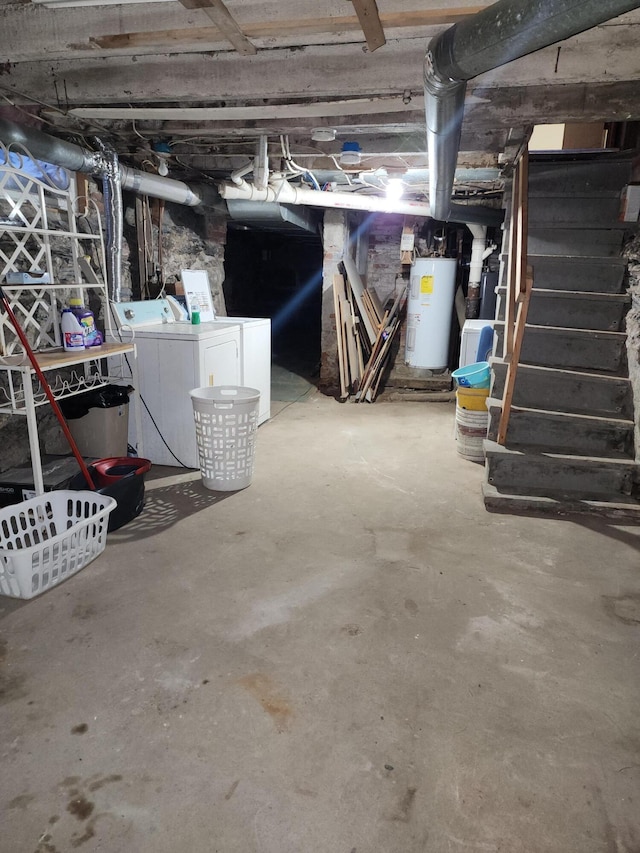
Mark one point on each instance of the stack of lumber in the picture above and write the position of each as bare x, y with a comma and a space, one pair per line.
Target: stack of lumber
364, 332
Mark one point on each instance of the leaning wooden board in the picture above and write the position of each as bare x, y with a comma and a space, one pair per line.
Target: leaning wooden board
357, 289
338, 290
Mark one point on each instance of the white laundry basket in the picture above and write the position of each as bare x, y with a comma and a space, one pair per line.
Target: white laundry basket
226, 420
46, 539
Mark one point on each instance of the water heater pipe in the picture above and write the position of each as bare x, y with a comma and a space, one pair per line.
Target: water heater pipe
479, 251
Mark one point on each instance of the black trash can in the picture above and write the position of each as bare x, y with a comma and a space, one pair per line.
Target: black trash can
99, 420
122, 479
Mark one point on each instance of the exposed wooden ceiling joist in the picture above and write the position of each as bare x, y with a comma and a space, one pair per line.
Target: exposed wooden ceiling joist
317, 73
225, 22
269, 29
356, 106
367, 12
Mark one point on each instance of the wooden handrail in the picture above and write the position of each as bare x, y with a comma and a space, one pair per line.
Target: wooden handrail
512, 368
519, 286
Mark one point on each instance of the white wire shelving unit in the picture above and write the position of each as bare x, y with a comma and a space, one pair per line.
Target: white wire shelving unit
49, 253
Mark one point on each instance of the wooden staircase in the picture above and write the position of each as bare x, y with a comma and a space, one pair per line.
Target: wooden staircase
561, 433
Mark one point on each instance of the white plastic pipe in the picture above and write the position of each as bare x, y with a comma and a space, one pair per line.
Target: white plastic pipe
478, 246
286, 193
237, 175
279, 190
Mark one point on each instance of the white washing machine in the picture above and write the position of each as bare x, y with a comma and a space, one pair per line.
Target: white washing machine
173, 358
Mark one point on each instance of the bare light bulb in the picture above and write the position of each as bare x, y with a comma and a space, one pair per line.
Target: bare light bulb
394, 189
163, 169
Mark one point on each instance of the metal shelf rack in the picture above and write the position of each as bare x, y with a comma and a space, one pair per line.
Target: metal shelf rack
40, 233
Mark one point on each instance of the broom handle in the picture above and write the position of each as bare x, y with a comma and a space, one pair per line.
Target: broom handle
47, 390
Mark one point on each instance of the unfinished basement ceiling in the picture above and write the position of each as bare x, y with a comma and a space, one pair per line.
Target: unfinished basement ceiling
207, 78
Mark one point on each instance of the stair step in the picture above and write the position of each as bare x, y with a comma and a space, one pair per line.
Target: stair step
604, 173
615, 507
518, 472
557, 272
573, 309
569, 211
585, 242
571, 391
563, 432
552, 346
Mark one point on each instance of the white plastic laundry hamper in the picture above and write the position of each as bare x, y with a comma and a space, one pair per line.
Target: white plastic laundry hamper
226, 419
46, 539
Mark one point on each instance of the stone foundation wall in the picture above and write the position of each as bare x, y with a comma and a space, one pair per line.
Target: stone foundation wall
190, 240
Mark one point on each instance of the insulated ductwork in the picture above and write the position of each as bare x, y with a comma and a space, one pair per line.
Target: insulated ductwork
498, 34
77, 159
104, 164
114, 219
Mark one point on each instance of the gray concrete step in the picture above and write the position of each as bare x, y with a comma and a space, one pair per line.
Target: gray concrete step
556, 272
559, 390
562, 432
584, 242
619, 508
573, 211
581, 349
604, 174
518, 472
573, 309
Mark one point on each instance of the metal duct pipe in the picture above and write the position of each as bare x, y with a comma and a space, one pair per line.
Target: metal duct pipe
498, 34
114, 220
50, 148
155, 186
70, 156
285, 193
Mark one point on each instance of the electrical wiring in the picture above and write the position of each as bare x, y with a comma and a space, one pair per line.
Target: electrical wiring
137, 132
295, 168
91, 124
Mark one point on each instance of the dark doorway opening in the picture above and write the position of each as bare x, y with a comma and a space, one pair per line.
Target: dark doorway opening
278, 274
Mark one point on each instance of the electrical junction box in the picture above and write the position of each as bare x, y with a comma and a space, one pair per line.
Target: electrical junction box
630, 203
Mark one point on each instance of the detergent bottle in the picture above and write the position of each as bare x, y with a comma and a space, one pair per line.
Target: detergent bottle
92, 337
72, 331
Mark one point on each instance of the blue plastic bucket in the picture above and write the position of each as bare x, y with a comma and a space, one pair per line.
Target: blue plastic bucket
477, 375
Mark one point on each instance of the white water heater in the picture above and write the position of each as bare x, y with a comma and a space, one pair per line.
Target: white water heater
429, 310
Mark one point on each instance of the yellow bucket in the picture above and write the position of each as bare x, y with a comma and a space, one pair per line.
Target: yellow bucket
472, 399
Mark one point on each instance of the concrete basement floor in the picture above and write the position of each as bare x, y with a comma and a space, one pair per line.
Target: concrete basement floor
350, 656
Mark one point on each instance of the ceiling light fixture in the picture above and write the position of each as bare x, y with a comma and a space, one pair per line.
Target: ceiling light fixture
394, 189
323, 134
350, 154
